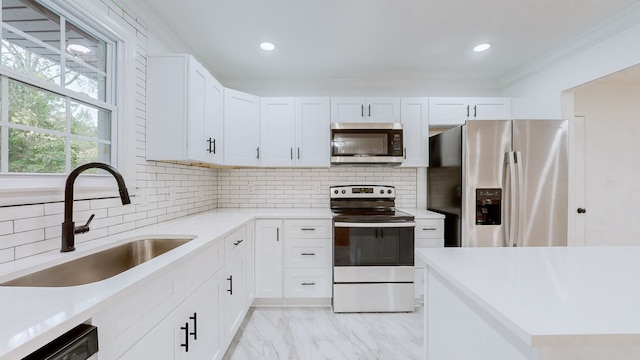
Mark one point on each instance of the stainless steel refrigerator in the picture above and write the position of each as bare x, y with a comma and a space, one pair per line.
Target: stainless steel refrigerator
501, 182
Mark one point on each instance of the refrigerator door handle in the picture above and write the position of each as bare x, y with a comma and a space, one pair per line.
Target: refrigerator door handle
510, 200
520, 200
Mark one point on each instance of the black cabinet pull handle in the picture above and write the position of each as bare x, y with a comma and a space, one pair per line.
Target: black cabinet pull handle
298, 153
258, 152
308, 229
230, 279
429, 229
582, 210
186, 337
405, 153
475, 111
214, 146
291, 153
238, 242
308, 254
369, 110
308, 284
195, 326
277, 234
362, 110
209, 148
467, 110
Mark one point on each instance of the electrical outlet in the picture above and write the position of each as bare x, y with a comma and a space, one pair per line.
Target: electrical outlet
251, 188
172, 193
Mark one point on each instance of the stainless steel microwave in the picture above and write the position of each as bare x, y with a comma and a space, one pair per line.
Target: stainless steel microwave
366, 143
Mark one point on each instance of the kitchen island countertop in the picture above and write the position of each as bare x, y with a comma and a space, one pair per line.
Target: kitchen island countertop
581, 300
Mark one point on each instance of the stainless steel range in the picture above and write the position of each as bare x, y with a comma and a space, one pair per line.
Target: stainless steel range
373, 250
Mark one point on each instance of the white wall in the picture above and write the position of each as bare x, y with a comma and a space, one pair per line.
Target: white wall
610, 48
612, 174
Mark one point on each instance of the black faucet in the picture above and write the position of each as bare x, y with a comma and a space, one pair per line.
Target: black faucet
68, 226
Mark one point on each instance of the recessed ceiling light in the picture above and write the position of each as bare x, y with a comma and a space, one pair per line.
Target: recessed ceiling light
78, 49
481, 47
267, 46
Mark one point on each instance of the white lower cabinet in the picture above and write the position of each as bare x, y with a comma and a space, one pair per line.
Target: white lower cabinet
235, 282
189, 311
192, 331
293, 259
268, 268
428, 233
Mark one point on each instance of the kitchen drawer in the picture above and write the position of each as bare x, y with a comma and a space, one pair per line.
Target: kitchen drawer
307, 283
423, 243
307, 229
234, 243
307, 253
203, 265
429, 229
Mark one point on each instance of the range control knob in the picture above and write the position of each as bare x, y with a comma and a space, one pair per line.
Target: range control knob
344, 191
335, 192
381, 191
389, 191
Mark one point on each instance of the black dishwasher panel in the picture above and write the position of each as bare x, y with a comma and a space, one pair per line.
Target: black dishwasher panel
78, 343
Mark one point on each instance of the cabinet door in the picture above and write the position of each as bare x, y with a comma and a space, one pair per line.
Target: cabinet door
312, 132
250, 288
415, 134
348, 109
278, 131
167, 78
448, 111
382, 110
214, 115
235, 282
203, 313
234, 298
241, 128
490, 109
196, 110
269, 239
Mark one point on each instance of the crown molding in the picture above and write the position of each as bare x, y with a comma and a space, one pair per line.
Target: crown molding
598, 34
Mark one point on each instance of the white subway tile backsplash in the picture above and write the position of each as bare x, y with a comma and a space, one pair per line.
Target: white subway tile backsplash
7, 255
6, 227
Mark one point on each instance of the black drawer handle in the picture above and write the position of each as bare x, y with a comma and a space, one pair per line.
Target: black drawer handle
308, 254
429, 229
238, 242
308, 284
230, 279
186, 336
308, 229
195, 326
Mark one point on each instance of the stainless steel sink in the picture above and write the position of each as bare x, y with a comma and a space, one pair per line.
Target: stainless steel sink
100, 265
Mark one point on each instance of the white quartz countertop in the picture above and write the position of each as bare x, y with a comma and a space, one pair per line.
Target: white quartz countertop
550, 296
31, 317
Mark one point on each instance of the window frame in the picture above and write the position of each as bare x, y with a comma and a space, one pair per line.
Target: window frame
99, 20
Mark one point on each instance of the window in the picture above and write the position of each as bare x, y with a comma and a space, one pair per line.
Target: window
56, 106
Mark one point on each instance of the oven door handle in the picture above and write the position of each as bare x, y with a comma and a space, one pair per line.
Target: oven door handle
375, 225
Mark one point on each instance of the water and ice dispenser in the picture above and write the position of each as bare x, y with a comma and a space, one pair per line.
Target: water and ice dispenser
488, 206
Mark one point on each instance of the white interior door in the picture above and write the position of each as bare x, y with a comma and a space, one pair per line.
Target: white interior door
577, 200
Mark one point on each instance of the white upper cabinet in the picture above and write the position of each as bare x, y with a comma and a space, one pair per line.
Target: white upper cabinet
452, 111
313, 125
295, 131
278, 135
415, 131
241, 128
369, 109
184, 108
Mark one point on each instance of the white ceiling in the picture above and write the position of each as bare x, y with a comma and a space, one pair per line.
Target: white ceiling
378, 40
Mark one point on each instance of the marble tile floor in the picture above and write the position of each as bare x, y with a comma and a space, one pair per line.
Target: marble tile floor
319, 333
